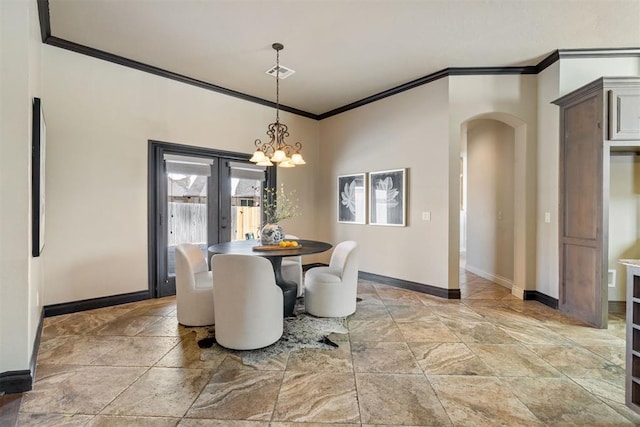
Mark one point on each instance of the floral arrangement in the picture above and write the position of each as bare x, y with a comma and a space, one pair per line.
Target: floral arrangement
279, 205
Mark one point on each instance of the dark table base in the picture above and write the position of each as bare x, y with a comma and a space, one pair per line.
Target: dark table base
289, 288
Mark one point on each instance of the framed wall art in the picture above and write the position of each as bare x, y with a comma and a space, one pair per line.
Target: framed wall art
39, 133
352, 198
387, 197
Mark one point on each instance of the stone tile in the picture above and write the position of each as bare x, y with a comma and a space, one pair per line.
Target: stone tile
448, 359
75, 349
420, 331
187, 354
507, 360
191, 422
137, 351
154, 307
67, 389
410, 313
238, 394
278, 424
374, 330
317, 397
481, 332
613, 353
370, 312
81, 323
126, 325
609, 392
234, 360
389, 357
456, 314
313, 359
533, 334
114, 421
570, 360
399, 399
52, 420
432, 300
166, 392
481, 401
561, 401
165, 327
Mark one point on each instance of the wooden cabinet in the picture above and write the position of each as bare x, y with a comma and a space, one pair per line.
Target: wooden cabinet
624, 113
595, 120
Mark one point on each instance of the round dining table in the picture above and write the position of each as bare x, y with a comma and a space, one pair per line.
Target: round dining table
275, 255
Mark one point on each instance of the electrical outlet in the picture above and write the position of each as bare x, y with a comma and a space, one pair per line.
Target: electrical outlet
547, 217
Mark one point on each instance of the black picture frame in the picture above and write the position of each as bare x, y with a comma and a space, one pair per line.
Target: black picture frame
387, 197
352, 198
38, 150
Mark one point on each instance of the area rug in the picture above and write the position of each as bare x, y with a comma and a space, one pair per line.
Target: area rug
299, 331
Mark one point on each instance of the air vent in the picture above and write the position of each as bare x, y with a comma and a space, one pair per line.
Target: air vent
283, 73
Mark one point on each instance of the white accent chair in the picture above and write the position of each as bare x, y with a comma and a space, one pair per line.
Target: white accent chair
248, 302
194, 287
292, 268
332, 291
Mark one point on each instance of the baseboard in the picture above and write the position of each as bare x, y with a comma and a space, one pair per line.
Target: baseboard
21, 381
617, 307
93, 303
517, 292
413, 286
502, 281
541, 298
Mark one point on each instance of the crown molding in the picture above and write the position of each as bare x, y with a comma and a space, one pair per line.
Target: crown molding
120, 60
47, 38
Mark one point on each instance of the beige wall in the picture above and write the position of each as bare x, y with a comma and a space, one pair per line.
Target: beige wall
624, 218
408, 130
490, 198
100, 118
20, 274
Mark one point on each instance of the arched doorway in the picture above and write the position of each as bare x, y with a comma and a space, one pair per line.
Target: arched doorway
506, 204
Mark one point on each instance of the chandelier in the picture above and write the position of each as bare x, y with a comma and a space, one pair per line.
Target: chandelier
276, 150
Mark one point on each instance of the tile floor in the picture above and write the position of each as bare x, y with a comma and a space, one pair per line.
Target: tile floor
409, 360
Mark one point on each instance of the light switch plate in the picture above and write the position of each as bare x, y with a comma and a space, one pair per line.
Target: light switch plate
426, 216
547, 217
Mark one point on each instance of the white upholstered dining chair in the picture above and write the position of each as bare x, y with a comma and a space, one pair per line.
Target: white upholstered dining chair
292, 268
249, 304
194, 287
332, 291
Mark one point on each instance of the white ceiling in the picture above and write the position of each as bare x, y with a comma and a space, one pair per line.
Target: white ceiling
342, 51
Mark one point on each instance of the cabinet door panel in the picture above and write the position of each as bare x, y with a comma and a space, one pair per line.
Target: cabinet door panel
624, 114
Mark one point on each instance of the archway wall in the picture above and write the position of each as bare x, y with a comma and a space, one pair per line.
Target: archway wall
490, 200
511, 99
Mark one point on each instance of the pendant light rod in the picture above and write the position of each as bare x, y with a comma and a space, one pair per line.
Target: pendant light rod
276, 149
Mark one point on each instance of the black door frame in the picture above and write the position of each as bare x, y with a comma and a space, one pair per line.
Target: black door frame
156, 190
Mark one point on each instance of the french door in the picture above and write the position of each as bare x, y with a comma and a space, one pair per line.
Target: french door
198, 196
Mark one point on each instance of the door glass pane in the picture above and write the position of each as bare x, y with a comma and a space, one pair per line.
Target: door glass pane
187, 211
246, 194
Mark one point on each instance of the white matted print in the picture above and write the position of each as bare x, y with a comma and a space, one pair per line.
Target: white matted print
387, 197
352, 198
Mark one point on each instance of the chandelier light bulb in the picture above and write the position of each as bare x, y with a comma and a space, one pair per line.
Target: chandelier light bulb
297, 159
265, 162
258, 156
278, 156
